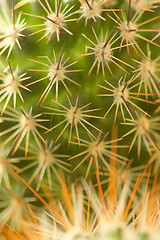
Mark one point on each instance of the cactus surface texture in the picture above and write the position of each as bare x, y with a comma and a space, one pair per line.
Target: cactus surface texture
79, 119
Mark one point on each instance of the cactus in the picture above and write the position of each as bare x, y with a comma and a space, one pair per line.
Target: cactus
79, 124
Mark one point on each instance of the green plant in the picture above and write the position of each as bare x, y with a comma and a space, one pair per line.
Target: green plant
70, 169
